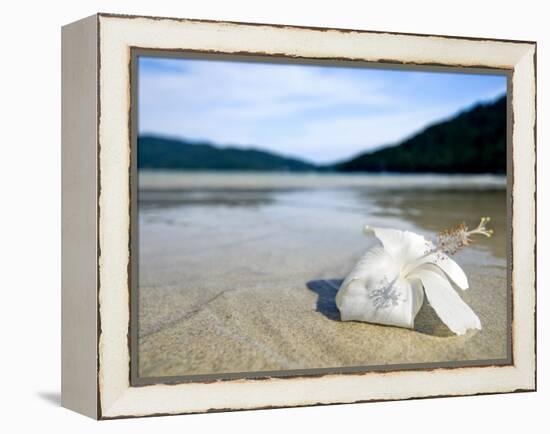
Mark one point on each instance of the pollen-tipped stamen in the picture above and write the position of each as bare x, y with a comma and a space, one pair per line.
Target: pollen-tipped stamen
482, 228
452, 240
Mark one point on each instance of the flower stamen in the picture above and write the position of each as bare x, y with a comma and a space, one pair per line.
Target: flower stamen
454, 239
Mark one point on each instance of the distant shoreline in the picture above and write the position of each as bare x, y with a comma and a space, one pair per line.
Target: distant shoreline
194, 179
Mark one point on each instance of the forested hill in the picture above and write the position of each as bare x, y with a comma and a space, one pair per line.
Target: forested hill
472, 142
162, 153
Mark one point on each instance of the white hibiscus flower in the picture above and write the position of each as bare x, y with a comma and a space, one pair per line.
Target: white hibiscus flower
388, 284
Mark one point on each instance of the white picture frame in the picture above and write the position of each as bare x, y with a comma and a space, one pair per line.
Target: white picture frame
97, 202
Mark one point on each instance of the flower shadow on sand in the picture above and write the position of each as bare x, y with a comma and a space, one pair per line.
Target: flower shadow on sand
426, 321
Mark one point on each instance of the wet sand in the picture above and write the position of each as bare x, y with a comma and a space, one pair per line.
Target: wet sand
239, 275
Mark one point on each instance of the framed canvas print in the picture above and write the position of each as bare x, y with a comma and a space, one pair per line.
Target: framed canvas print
261, 216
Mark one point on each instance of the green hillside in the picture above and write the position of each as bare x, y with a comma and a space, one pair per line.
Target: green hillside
162, 153
472, 142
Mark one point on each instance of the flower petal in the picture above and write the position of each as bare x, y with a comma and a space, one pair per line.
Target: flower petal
418, 295
403, 246
448, 265
448, 305
373, 292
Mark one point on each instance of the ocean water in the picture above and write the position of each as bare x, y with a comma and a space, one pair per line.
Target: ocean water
425, 203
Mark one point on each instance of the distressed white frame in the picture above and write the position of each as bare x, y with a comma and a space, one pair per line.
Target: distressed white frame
115, 396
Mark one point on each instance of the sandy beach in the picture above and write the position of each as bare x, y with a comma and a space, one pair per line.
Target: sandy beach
238, 273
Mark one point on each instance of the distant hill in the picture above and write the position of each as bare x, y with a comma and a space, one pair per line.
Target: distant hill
163, 153
472, 142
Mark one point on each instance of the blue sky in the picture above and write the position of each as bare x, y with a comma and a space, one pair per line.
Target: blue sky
318, 113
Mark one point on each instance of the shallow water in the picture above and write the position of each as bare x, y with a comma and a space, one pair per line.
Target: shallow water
229, 262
